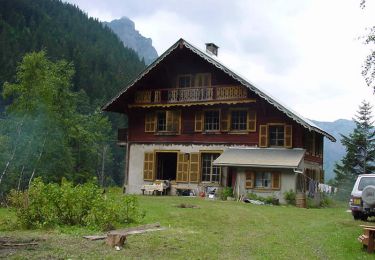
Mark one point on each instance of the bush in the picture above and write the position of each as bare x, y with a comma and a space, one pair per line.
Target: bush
225, 192
268, 200
49, 205
290, 197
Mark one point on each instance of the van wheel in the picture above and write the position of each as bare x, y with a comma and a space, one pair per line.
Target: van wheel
357, 215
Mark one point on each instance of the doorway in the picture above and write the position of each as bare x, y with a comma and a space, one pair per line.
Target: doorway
166, 165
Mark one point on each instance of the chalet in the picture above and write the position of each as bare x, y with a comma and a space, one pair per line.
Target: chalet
198, 124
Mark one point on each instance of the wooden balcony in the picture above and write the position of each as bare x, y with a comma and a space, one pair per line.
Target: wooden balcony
122, 136
191, 94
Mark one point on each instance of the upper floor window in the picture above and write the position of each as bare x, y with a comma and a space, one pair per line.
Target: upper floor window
184, 81
203, 80
238, 120
166, 121
212, 120
276, 135
161, 121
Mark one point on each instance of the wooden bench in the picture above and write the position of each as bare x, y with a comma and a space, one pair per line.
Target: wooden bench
368, 237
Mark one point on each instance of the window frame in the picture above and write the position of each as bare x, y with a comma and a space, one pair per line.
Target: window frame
231, 111
278, 137
202, 76
211, 167
190, 76
157, 121
218, 120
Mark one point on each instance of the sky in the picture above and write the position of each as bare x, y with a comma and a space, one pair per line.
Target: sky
308, 54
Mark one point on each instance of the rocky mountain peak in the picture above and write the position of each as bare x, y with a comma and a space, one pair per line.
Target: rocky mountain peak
125, 30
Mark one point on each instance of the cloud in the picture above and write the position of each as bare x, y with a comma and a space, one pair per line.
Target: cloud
305, 53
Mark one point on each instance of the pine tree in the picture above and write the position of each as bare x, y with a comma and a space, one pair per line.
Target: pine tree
360, 150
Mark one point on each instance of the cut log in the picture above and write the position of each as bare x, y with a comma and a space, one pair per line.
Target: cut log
116, 240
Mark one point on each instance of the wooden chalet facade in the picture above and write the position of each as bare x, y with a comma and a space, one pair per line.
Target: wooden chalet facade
193, 121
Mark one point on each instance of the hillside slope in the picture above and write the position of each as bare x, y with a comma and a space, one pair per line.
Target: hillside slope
102, 64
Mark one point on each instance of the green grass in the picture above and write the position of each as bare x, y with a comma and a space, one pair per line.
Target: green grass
214, 230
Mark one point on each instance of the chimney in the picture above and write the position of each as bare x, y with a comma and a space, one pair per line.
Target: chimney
212, 48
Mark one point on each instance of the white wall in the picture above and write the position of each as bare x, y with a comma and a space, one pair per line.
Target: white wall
287, 182
136, 158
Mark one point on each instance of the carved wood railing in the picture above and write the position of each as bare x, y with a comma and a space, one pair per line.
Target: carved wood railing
192, 94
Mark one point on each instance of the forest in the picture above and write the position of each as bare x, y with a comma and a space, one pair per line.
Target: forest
57, 68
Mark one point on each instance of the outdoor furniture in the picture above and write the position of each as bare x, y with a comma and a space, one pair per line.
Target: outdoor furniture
367, 238
157, 186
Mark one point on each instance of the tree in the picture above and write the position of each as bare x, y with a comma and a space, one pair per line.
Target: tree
47, 134
368, 71
360, 150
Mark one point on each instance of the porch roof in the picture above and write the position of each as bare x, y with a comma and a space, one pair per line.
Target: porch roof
261, 157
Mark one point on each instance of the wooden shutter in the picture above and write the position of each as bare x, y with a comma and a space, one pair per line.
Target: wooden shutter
250, 176
198, 121
182, 167
224, 127
148, 166
321, 179
169, 120
150, 122
194, 167
288, 136
177, 121
276, 180
251, 120
263, 136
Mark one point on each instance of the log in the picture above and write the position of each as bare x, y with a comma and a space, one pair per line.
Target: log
116, 240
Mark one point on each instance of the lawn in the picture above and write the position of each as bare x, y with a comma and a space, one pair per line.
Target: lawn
213, 230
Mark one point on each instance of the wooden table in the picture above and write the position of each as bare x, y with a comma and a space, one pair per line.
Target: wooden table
367, 238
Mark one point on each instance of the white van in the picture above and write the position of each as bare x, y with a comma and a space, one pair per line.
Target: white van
362, 201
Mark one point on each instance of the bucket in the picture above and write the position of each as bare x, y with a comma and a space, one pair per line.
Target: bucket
301, 200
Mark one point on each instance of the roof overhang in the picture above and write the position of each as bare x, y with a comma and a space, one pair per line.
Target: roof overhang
280, 158
111, 105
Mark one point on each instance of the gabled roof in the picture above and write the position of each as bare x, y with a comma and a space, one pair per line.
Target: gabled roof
181, 42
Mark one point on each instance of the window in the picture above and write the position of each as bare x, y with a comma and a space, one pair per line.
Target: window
212, 120
161, 121
239, 120
203, 80
184, 81
263, 180
276, 134
210, 173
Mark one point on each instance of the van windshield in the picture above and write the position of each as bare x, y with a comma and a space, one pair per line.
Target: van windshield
366, 181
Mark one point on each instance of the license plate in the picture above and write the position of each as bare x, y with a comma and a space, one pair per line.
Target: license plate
357, 201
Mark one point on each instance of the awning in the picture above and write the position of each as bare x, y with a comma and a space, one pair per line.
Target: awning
261, 157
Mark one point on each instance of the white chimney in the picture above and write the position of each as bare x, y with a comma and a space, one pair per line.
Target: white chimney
212, 48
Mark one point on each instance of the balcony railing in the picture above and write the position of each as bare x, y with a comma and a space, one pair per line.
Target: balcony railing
192, 94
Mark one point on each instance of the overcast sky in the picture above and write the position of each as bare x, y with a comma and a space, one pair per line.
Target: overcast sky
306, 54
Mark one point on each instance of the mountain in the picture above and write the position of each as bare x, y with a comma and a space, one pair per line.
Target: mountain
125, 30
102, 64
333, 152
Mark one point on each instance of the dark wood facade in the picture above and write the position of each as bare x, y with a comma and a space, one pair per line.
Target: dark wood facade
187, 98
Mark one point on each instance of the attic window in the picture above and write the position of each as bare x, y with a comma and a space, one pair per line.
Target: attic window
184, 81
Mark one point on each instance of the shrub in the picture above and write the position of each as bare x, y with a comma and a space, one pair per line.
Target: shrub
268, 200
48, 205
225, 192
290, 197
